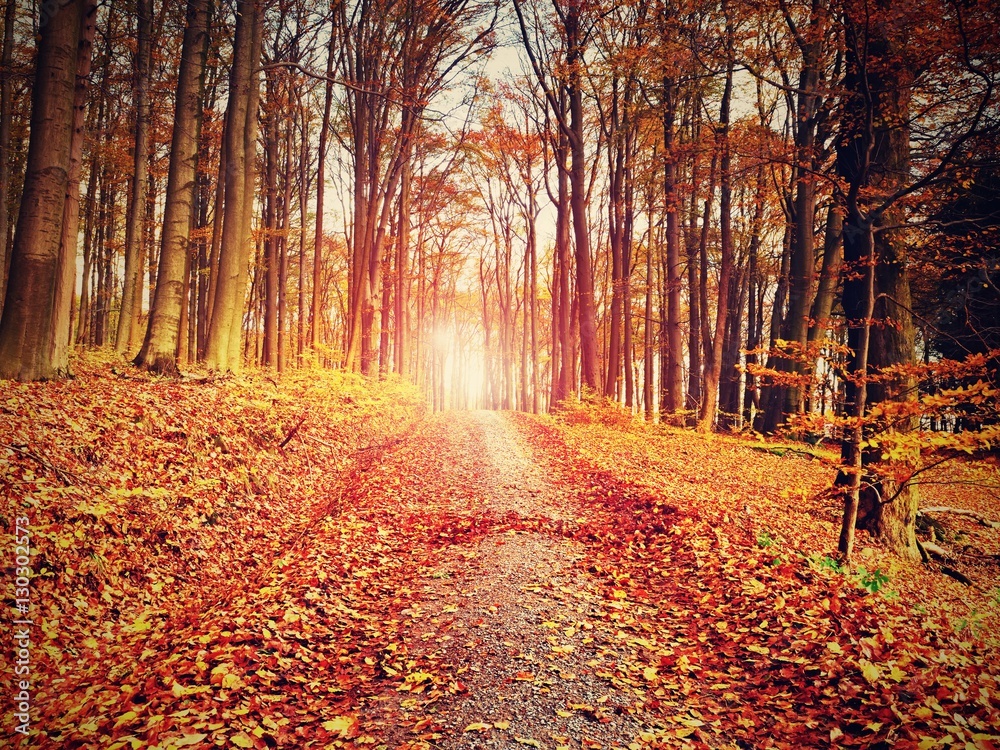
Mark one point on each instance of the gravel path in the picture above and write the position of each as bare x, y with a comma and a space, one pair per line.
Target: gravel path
509, 614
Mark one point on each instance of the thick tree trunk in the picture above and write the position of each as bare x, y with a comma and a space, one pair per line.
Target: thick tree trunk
159, 349
66, 282
29, 328
873, 157
6, 78
225, 329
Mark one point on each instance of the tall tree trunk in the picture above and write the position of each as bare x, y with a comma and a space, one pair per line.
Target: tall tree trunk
803, 258
283, 233
225, 328
401, 309
567, 362
315, 327
159, 348
66, 282
127, 318
84, 309
578, 200
300, 346
647, 335
829, 276
6, 77
30, 332
729, 385
270, 226
673, 388
713, 358
873, 158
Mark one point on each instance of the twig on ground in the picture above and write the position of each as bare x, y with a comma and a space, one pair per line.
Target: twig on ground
291, 433
63, 475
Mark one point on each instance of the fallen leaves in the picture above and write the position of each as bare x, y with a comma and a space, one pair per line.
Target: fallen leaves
202, 587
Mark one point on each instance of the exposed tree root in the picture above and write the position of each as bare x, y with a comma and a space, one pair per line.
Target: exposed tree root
961, 512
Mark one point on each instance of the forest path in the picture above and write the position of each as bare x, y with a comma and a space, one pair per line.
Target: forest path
508, 612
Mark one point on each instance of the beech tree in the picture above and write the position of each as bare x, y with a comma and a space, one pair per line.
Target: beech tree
239, 178
35, 326
159, 349
885, 75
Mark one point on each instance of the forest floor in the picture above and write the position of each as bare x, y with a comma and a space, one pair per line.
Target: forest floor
318, 562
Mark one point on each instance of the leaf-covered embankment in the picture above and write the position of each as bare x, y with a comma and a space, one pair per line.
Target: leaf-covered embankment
155, 504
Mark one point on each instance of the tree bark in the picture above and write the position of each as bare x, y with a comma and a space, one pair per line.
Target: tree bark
29, 326
225, 329
127, 318
673, 388
6, 76
159, 349
713, 358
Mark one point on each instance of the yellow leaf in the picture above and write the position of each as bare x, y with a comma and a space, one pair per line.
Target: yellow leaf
649, 673
684, 731
187, 739
241, 740
527, 741
835, 734
91, 643
690, 722
501, 724
564, 714
871, 672
896, 674
345, 726
140, 626
478, 726
922, 712
125, 718
834, 648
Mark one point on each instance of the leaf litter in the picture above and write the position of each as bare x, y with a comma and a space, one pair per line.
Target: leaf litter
392, 579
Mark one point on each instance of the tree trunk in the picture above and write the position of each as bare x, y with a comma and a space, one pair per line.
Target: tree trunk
37, 284
6, 59
673, 388
270, 226
159, 349
66, 282
713, 358
578, 201
803, 258
315, 326
873, 158
225, 329
127, 318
